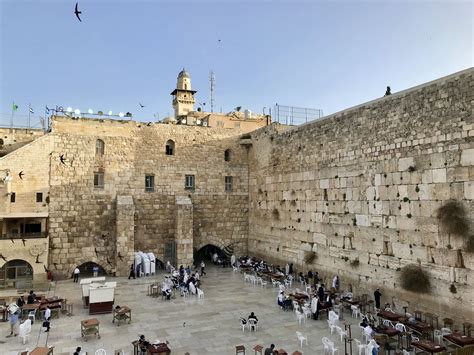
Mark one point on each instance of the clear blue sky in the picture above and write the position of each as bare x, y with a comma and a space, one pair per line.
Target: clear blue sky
320, 54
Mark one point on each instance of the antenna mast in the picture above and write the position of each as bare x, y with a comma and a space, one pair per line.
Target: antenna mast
212, 81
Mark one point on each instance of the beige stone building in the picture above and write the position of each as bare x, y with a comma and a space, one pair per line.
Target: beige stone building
357, 193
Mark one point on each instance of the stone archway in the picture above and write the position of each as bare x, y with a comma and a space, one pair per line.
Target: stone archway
86, 269
15, 272
211, 253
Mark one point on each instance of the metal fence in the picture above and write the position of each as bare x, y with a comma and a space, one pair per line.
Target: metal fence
292, 115
7, 120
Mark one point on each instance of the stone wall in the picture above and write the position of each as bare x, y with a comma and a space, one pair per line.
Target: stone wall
14, 138
361, 189
83, 217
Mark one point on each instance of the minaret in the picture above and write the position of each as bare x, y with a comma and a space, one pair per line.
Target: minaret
183, 96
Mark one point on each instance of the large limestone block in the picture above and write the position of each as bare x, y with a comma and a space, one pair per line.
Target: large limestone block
469, 190
405, 163
467, 157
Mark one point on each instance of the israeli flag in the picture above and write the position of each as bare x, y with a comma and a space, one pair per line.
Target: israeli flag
31, 110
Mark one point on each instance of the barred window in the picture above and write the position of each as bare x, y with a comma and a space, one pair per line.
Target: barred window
99, 147
149, 183
229, 180
99, 179
189, 182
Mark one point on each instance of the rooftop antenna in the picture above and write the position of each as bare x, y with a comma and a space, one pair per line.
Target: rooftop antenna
212, 81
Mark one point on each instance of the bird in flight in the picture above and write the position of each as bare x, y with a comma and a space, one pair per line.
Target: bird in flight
120, 256
37, 260
149, 124
142, 106
24, 242
109, 262
63, 159
21, 175
77, 12
2, 257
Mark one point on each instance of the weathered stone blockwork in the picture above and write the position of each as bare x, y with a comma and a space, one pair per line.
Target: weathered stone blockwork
361, 189
83, 217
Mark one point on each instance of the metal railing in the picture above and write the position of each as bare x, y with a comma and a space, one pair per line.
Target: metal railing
291, 115
23, 235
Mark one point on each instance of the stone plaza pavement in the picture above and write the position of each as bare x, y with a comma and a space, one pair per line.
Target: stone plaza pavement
206, 326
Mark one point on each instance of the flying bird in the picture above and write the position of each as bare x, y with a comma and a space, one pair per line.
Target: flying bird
37, 260
149, 124
120, 256
24, 242
2, 257
109, 262
142, 106
96, 252
77, 12
62, 159
184, 324
45, 268
12, 240
20, 174
55, 266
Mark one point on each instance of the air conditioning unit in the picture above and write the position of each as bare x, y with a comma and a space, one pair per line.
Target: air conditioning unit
204, 124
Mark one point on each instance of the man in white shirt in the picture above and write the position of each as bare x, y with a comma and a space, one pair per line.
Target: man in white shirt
47, 318
369, 332
76, 274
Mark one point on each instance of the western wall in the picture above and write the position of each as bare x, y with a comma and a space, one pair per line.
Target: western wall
357, 194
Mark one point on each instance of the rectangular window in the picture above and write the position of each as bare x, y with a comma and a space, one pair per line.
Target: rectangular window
39, 197
189, 182
12, 197
228, 183
99, 179
237, 124
149, 183
220, 124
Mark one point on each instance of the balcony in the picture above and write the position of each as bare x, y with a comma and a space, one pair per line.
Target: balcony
24, 235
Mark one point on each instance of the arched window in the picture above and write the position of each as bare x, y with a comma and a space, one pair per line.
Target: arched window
15, 271
169, 147
99, 147
227, 155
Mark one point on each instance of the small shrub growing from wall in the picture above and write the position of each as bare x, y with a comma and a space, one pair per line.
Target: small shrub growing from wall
452, 216
453, 289
414, 278
276, 214
309, 257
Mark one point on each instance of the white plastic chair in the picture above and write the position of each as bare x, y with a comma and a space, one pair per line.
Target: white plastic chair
331, 326
438, 336
400, 327
364, 336
200, 292
308, 288
32, 316
370, 347
301, 338
246, 277
414, 338
275, 283
342, 333
243, 324
446, 331
406, 352
388, 323
326, 342
300, 317
362, 347
253, 324
235, 268
332, 350
25, 330
100, 352
306, 311
333, 317
263, 282
355, 311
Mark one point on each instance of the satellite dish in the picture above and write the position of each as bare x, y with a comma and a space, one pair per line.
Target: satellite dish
183, 121
121, 114
110, 113
198, 122
90, 111
204, 124
69, 109
238, 108
77, 111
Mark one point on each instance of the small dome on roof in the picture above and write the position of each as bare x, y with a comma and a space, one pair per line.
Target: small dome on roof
183, 74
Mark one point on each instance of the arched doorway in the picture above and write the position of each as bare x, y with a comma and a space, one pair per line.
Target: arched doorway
15, 272
86, 269
208, 251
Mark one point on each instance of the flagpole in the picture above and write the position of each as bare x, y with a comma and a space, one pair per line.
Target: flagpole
13, 110
29, 117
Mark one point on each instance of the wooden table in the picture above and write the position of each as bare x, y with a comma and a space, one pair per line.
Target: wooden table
158, 349
121, 314
419, 327
391, 316
42, 351
428, 346
298, 296
459, 339
90, 327
29, 307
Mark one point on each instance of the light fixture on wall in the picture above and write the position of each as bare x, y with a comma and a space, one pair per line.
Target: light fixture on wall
77, 111
121, 114
110, 113
90, 111
69, 109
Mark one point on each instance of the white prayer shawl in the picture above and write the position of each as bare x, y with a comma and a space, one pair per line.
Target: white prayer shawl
192, 288
334, 282
232, 259
314, 304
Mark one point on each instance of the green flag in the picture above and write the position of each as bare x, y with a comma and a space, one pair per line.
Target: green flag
15, 107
